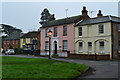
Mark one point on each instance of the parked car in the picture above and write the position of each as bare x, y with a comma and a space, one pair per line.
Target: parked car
10, 51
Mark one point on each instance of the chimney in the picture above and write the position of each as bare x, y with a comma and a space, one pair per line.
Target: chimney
99, 14
85, 14
53, 17
84, 11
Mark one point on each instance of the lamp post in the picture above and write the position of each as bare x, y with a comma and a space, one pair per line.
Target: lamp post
49, 34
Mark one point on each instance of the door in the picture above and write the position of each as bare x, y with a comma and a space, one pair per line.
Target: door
55, 47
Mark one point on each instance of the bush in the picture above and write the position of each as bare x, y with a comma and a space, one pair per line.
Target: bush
18, 50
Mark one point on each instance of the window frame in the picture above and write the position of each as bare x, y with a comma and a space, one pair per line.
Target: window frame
65, 30
55, 32
46, 45
46, 32
81, 46
80, 31
65, 45
89, 46
101, 46
101, 28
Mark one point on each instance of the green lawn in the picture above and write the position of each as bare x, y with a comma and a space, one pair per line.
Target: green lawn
14, 67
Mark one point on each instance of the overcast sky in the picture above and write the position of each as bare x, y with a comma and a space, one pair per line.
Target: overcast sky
26, 15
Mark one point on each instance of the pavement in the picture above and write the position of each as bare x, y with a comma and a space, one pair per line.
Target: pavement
99, 70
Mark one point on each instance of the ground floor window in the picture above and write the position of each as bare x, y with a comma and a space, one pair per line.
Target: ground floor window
101, 47
119, 47
46, 45
80, 46
65, 44
89, 46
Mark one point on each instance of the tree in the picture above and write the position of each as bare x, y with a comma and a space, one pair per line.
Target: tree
46, 16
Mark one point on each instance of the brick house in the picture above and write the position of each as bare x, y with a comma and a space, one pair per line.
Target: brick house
12, 41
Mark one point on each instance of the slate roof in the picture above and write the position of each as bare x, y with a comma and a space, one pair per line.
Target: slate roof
68, 20
99, 20
15, 35
33, 34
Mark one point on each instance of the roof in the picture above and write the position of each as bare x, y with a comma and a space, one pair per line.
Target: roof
32, 34
68, 20
99, 20
15, 35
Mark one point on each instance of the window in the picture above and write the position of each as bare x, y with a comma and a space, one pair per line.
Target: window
46, 32
4, 42
31, 40
65, 44
119, 27
80, 31
55, 31
16, 41
8, 42
80, 46
46, 45
119, 46
101, 28
13, 41
65, 30
89, 46
101, 47
24, 41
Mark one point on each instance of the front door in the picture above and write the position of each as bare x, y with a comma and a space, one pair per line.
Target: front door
55, 47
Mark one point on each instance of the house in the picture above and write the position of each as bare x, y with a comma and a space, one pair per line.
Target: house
30, 41
13, 38
98, 38
62, 38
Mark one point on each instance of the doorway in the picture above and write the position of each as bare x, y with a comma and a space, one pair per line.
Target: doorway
55, 47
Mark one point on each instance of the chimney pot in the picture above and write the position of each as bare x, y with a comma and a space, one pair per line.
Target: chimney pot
99, 13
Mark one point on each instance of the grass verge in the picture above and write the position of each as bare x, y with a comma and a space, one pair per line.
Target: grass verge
16, 67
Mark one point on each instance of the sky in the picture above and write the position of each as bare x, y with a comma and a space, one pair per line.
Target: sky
26, 15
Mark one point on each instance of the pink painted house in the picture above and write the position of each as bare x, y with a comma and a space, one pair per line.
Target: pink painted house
62, 39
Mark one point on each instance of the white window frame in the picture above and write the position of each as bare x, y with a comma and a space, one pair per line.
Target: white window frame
80, 47
89, 47
80, 31
65, 45
101, 47
46, 45
101, 28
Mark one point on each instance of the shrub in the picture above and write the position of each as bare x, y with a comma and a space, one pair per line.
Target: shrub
18, 50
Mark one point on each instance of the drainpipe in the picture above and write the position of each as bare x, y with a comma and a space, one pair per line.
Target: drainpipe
111, 55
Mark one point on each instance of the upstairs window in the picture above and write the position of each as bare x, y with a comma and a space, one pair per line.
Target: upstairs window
55, 31
4, 42
13, 41
101, 28
24, 41
119, 27
119, 46
46, 32
65, 30
16, 41
80, 31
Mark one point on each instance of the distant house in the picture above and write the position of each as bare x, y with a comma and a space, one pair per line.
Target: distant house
12, 40
62, 39
30, 40
98, 37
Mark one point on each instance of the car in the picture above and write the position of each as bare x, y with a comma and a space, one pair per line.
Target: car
10, 51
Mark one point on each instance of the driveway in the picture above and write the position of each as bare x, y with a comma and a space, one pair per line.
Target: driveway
105, 70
